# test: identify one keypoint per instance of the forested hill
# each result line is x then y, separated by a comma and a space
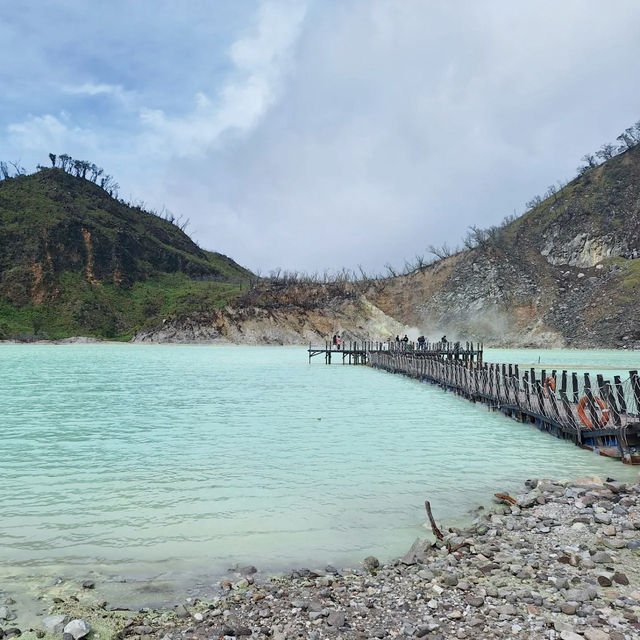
76, 261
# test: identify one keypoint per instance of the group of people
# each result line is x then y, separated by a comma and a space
402, 343
421, 342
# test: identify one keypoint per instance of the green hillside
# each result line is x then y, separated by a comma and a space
76, 261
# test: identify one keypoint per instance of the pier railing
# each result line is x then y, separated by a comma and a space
595, 412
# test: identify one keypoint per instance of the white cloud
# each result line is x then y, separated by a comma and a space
50, 133
260, 60
99, 89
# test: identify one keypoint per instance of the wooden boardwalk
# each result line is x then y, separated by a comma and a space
594, 412
359, 352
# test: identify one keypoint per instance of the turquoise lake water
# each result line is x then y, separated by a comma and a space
180, 461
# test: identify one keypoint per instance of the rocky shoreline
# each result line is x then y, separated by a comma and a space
560, 561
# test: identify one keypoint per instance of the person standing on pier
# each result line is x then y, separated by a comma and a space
335, 339
338, 342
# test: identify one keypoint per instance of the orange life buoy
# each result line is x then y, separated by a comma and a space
583, 416
550, 384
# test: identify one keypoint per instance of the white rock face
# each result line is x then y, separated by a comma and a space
78, 628
581, 251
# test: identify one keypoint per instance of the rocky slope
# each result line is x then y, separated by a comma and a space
566, 273
282, 314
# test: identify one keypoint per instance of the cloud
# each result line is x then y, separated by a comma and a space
48, 132
94, 89
259, 63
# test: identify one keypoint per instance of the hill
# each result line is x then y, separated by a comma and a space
76, 261
566, 273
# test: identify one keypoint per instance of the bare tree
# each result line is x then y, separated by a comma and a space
606, 151
441, 252
534, 202
65, 161
52, 157
4, 169
590, 159
19, 169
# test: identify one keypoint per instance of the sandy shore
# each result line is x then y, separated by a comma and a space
563, 562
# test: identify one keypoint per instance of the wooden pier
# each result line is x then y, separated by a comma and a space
592, 411
359, 352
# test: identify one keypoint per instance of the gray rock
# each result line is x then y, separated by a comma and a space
507, 610
474, 601
570, 635
54, 625
182, 612
78, 628
417, 553
336, 619
596, 634
601, 557
527, 500
371, 563
450, 579
615, 487
578, 595
88, 584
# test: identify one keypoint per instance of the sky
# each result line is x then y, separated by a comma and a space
312, 135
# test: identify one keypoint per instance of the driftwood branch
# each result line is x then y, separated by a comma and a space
458, 546
505, 497
434, 527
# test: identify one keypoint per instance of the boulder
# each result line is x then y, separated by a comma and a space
78, 628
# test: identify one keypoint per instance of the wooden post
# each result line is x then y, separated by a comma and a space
593, 414
620, 394
574, 384
609, 398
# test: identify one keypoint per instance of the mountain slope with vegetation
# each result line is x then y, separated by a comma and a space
75, 260
567, 273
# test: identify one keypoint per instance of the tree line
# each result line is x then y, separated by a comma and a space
95, 174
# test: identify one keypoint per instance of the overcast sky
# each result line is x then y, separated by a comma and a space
318, 134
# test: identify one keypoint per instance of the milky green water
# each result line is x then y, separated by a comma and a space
180, 461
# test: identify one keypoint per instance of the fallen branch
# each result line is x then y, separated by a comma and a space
434, 527
505, 497
458, 546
